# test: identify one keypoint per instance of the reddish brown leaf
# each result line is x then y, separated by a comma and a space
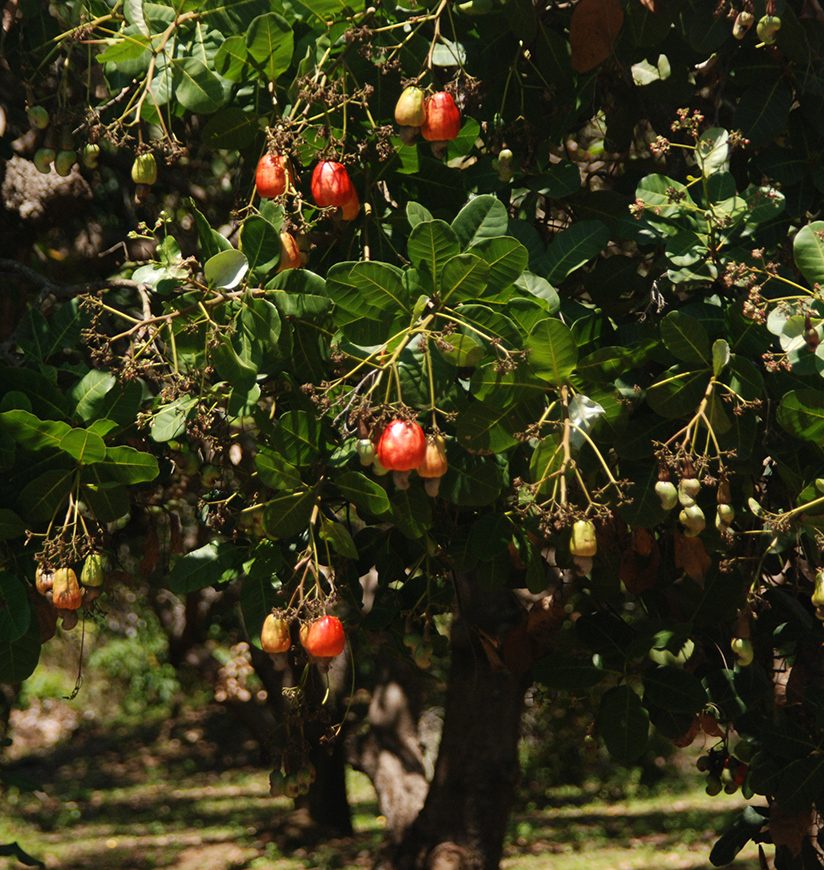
691, 557
593, 31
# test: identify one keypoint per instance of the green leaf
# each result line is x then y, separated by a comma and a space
371, 301
30, 432
338, 538
686, 339
226, 270
239, 372
40, 499
210, 240
567, 673
573, 247
15, 612
492, 427
740, 832
231, 57
539, 287
133, 13
260, 324
298, 437
464, 277
90, 391
199, 89
275, 471
84, 446
431, 243
230, 127
170, 421
808, 252
677, 393
412, 512
460, 350
260, 243
108, 502
472, 481
214, 563
801, 413
552, 352
481, 218
623, 723
673, 689
288, 515
416, 213
18, 658
127, 465
712, 151
365, 493
762, 111
506, 257
270, 42
720, 356
802, 783
47, 401
11, 526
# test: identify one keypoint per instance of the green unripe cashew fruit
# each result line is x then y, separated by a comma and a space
767, 29
744, 653
693, 518
504, 165
38, 117
583, 542
43, 159
817, 597
713, 785
688, 489
366, 451
725, 513
743, 23
667, 494
144, 169
64, 161
94, 569
90, 155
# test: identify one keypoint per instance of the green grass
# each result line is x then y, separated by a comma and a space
175, 798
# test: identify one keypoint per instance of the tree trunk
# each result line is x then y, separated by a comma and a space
464, 818
389, 753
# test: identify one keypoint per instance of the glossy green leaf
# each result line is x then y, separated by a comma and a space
213, 563
686, 339
366, 494
31, 433
127, 465
573, 247
808, 252
15, 613
623, 723
199, 89
270, 43
226, 270
801, 413
260, 244
552, 351
673, 689
11, 525
84, 446
18, 658
431, 243
464, 277
287, 515
506, 257
90, 391
483, 217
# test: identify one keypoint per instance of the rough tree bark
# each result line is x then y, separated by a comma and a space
463, 820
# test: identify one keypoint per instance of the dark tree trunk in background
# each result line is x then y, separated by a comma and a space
464, 818
389, 753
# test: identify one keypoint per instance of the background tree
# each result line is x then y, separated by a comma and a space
573, 305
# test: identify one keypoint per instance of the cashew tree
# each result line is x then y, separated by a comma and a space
483, 332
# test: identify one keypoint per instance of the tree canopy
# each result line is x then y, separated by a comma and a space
600, 297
